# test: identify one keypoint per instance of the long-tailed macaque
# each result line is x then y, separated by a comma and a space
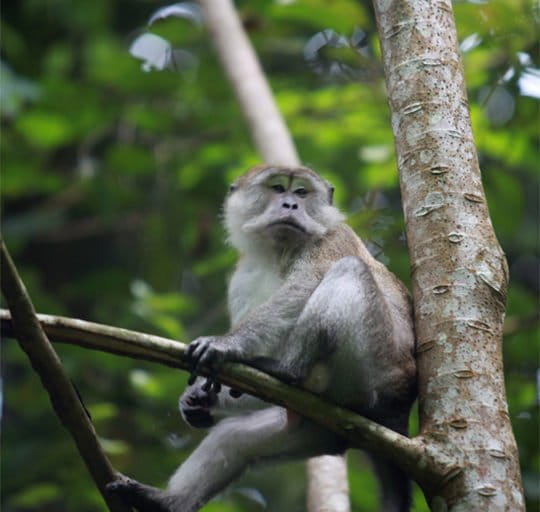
310, 305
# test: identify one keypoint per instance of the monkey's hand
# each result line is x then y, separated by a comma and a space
196, 403
211, 352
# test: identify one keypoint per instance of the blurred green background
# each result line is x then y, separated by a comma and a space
112, 183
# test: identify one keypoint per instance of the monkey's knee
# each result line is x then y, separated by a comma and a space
347, 282
349, 286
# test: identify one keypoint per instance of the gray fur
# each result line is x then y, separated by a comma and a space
309, 304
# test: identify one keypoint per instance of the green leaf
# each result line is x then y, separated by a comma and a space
36, 496
45, 130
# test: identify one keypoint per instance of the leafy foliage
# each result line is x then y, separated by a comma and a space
112, 183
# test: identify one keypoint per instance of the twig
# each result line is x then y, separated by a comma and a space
46, 363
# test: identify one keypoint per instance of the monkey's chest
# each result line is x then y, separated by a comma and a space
249, 288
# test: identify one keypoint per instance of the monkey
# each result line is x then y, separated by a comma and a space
311, 306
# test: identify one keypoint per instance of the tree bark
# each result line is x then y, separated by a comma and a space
327, 476
459, 271
328, 485
63, 395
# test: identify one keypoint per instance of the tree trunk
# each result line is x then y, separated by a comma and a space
328, 485
459, 271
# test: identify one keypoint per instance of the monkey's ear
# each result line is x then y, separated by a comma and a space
331, 194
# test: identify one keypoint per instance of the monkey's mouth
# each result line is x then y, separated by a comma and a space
288, 224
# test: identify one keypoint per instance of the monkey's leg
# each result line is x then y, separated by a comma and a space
337, 325
237, 442
348, 319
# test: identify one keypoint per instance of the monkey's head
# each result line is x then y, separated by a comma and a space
279, 207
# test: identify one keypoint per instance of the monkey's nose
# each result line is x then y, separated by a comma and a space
290, 205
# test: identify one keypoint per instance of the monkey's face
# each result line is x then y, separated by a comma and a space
279, 207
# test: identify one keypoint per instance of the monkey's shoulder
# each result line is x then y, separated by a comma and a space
343, 242
339, 243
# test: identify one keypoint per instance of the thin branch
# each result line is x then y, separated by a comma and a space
360, 431
64, 398
249, 83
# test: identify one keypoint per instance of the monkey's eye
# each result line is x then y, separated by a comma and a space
301, 192
278, 188
232, 188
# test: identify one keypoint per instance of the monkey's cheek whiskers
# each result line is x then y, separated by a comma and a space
252, 227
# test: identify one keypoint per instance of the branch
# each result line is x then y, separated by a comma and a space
244, 72
64, 397
361, 432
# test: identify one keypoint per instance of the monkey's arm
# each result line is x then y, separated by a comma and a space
261, 337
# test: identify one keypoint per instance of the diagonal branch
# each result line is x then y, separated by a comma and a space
360, 431
243, 69
64, 397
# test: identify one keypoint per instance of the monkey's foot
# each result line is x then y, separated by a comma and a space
143, 497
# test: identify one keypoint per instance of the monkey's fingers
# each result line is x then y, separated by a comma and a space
194, 356
207, 357
190, 348
193, 363
196, 349
209, 383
